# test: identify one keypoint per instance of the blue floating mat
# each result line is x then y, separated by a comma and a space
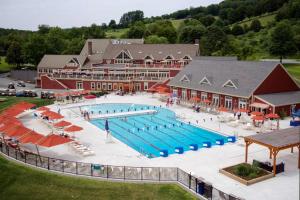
206, 144
219, 142
164, 153
231, 139
194, 147
179, 150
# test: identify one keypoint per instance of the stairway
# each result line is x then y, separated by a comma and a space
51, 83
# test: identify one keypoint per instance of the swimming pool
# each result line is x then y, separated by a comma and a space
153, 134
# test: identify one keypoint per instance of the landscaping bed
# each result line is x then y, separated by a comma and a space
246, 174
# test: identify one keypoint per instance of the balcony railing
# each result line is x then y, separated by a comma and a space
108, 78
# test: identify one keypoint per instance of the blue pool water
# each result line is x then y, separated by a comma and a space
150, 134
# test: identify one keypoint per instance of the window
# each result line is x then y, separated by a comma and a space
203, 96
194, 93
123, 57
99, 86
145, 85
187, 57
79, 85
103, 86
205, 81
93, 85
185, 79
242, 103
230, 84
148, 58
228, 102
169, 58
216, 100
109, 86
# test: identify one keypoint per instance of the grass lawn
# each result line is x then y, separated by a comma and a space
294, 70
4, 66
21, 182
117, 33
13, 100
264, 20
176, 23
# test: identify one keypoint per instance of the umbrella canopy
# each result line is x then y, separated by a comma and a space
9, 120
31, 137
222, 109
257, 113
272, 116
53, 140
43, 108
52, 115
258, 118
106, 125
16, 131
243, 110
73, 128
151, 90
206, 101
90, 96
195, 99
62, 124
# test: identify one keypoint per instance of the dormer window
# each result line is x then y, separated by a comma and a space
230, 84
148, 58
169, 58
185, 79
205, 81
187, 58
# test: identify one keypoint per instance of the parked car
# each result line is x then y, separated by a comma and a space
47, 95
21, 84
30, 93
11, 86
20, 93
3, 92
11, 92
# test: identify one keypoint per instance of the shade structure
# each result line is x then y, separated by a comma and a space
18, 108
106, 125
195, 99
222, 109
4, 126
31, 137
258, 118
17, 131
43, 108
90, 96
243, 110
52, 115
62, 124
73, 128
164, 93
257, 113
53, 140
9, 120
151, 90
272, 116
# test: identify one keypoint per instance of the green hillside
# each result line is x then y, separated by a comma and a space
294, 70
264, 20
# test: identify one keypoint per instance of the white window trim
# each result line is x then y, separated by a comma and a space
185, 77
205, 79
231, 86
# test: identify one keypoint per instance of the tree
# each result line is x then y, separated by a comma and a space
14, 54
136, 31
55, 41
131, 17
215, 40
189, 34
162, 28
282, 40
237, 30
207, 20
94, 32
154, 39
255, 25
43, 29
34, 49
112, 24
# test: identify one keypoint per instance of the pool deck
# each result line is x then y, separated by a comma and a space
204, 163
123, 114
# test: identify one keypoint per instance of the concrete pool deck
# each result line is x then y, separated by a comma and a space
203, 163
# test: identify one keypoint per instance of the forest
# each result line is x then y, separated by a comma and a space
248, 29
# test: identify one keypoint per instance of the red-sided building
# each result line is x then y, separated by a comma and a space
262, 86
104, 64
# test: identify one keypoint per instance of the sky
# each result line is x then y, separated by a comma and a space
28, 14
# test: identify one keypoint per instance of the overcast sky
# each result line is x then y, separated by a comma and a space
28, 14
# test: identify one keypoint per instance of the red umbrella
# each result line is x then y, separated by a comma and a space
73, 128
272, 116
257, 113
16, 131
222, 109
243, 110
90, 96
53, 140
62, 124
258, 118
206, 101
6, 127
52, 115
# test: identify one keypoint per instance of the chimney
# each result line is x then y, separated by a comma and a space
90, 48
197, 41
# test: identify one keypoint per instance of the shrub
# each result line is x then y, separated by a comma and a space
282, 114
245, 170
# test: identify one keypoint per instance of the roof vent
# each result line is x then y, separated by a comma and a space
179, 52
140, 52
159, 52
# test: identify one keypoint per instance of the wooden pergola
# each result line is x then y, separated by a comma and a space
276, 141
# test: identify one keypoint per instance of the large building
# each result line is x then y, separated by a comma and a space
261, 86
105, 64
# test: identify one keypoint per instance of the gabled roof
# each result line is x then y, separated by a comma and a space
59, 61
281, 99
246, 75
158, 51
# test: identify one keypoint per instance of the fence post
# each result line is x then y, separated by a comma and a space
8, 150
190, 180
124, 171
107, 171
16, 152
196, 185
63, 166
76, 167
92, 170
159, 174
25, 155
36, 160
48, 163
142, 173
177, 174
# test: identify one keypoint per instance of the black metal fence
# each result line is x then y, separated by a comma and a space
157, 174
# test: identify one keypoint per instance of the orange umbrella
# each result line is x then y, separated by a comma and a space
258, 118
206, 101
17, 131
53, 140
31, 137
73, 128
222, 109
272, 116
243, 110
196, 99
62, 124
43, 108
257, 113
4, 126
52, 115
